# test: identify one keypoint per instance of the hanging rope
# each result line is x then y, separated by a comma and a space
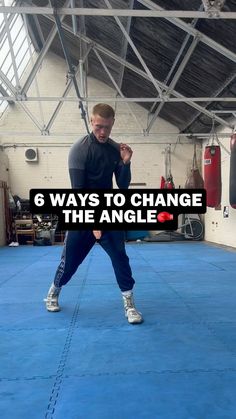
71, 72
168, 161
169, 183
213, 138
195, 165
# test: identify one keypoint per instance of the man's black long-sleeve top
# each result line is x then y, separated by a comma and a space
92, 164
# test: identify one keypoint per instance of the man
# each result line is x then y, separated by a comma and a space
92, 162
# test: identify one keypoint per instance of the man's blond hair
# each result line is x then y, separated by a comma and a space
103, 110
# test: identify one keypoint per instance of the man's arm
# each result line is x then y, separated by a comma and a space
123, 175
77, 178
122, 172
76, 162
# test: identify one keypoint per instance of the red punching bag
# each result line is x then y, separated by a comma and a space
163, 181
169, 183
232, 174
212, 175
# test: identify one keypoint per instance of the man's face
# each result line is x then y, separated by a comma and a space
102, 127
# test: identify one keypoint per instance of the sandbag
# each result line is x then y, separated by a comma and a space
163, 181
212, 175
194, 180
169, 183
232, 174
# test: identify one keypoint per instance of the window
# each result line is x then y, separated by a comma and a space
20, 46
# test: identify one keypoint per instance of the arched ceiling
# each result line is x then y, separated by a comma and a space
180, 65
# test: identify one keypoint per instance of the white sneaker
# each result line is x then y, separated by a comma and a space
133, 316
52, 299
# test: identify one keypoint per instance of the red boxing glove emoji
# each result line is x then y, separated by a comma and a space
164, 216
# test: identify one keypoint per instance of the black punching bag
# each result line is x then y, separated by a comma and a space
232, 174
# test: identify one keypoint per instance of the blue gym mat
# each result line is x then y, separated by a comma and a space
87, 362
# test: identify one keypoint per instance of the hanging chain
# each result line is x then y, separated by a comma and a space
195, 165
214, 138
168, 162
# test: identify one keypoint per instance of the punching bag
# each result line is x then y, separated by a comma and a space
194, 180
163, 181
232, 174
169, 183
212, 175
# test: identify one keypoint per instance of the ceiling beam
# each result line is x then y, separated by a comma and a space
83, 52
27, 27
7, 83
229, 80
125, 44
33, 32
174, 81
159, 13
177, 58
135, 50
233, 111
70, 68
40, 32
174, 92
31, 116
60, 103
10, 43
73, 135
64, 95
3, 31
192, 31
117, 87
166, 99
41, 56
3, 92
74, 20
143, 74
39, 60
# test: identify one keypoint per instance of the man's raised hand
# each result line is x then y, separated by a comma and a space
125, 153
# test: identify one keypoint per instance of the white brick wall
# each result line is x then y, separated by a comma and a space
4, 166
51, 169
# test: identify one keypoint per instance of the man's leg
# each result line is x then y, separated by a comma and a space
113, 243
76, 247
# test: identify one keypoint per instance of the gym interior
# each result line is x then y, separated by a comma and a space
168, 70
